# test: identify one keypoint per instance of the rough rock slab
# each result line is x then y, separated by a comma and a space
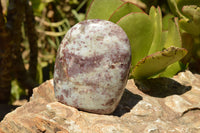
153, 106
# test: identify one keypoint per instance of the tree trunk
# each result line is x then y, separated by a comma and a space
5, 60
12, 65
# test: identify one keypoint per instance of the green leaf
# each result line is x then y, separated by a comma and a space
193, 13
171, 70
165, 21
177, 5
39, 5
52, 43
102, 9
189, 11
139, 29
173, 37
39, 75
164, 37
190, 27
156, 18
88, 4
157, 62
196, 16
80, 17
73, 2
181, 3
16, 91
174, 8
188, 43
123, 10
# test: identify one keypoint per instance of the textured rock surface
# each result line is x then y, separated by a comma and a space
163, 106
92, 66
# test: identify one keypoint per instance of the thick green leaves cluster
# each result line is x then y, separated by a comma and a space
155, 42
189, 13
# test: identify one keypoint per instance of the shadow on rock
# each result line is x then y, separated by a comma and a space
161, 87
5, 108
127, 102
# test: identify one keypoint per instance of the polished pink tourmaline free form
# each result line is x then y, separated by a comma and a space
92, 66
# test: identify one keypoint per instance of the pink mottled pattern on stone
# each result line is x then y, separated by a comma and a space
92, 66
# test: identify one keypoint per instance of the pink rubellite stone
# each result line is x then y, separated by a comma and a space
92, 66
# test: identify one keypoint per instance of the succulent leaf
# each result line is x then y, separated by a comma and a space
157, 62
165, 21
156, 18
177, 5
173, 36
181, 3
189, 13
140, 29
146, 36
190, 27
102, 9
171, 70
123, 10
196, 17
174, 8
193, 13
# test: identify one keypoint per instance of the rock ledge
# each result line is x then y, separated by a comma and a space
159, 105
